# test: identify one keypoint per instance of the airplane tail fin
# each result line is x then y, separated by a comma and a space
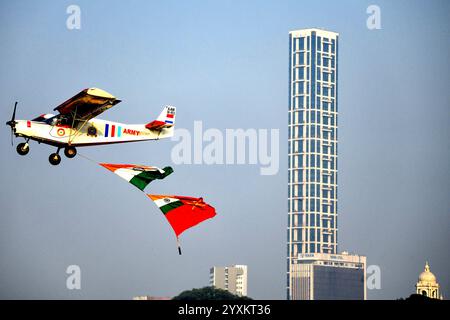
165, 122
167, 115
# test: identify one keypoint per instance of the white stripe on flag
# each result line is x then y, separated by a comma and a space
127, 174
164, 201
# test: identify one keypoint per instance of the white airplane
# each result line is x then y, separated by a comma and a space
76, 125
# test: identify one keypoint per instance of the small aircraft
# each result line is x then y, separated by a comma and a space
76, 125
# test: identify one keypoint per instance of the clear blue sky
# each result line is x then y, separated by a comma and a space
225, 63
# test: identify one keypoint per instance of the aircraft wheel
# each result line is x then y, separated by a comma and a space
54, 159
23, 148
70, 152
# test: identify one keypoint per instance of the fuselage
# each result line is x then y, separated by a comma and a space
92, 132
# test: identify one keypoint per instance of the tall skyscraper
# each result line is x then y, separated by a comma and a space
313, 148
232, 279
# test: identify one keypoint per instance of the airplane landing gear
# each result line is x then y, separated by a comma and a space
54, 158
23, 148
70, 152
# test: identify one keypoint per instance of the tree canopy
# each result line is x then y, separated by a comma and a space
208, 293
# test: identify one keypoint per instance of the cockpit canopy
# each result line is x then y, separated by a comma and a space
51, 119
43, 117
59, 120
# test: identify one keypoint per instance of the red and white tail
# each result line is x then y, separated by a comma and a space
166, 120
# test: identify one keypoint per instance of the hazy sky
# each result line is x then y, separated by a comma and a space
225, 63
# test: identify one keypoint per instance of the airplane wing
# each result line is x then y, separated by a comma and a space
87, 104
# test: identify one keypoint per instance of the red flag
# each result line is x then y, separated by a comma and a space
183, 212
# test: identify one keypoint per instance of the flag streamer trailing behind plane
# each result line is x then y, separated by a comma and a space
137, 175
181, 212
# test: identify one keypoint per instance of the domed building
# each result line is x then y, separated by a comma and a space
427, 284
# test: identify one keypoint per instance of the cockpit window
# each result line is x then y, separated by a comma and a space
43, 118
59, 120
63, 120
52, 121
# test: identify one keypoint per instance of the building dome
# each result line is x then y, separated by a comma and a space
427, 275
427, 284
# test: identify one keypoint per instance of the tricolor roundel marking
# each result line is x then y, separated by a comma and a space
60, 132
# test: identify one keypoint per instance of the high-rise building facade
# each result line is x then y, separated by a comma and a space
232, 279
324, 276
313, 145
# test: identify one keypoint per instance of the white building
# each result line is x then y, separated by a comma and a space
323, 276
427, 284
232, 278
151, 298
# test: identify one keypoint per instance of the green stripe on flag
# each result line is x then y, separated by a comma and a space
167, 171
170, 206
142, 179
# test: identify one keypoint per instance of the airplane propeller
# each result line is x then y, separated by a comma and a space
12, 123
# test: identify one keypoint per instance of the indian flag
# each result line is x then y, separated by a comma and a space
183, 212
137, 175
